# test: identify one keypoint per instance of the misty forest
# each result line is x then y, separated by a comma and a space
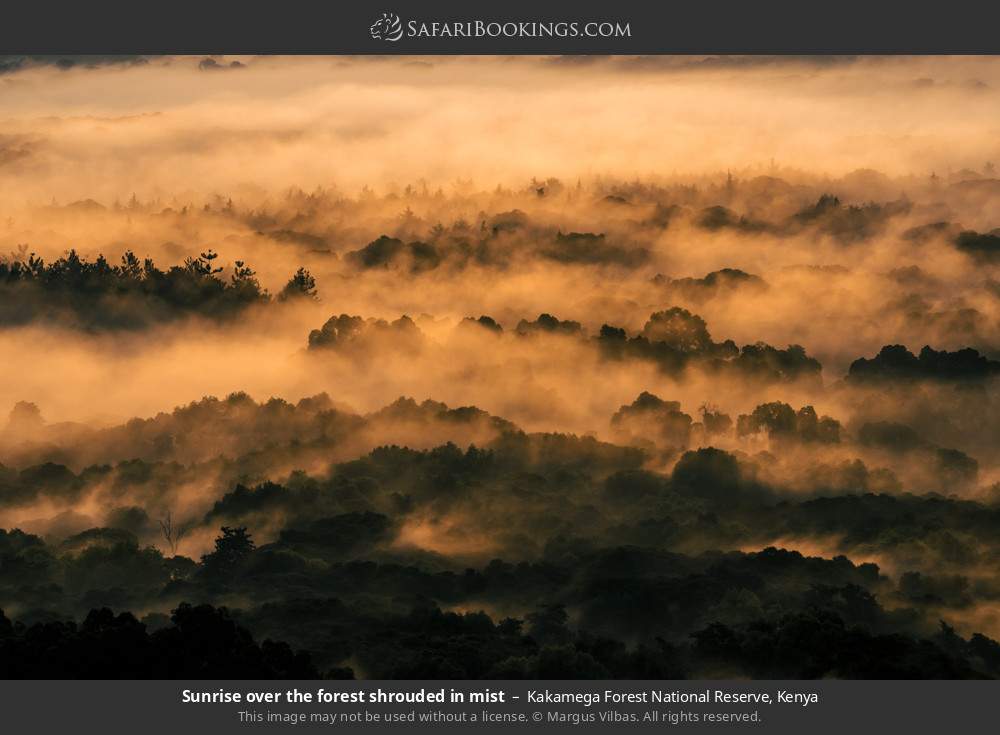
487, 368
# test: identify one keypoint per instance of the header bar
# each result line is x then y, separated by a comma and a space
510, 27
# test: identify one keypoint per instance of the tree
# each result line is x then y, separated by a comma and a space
173, 534
203, 265
231, 550
301, 285
679, 329
25, 418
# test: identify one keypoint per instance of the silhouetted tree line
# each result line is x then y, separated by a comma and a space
673, 339
628, 551
202, 642
501, 240
428, 643
723, 282
596, 565
848, 224
96, 294
896, 363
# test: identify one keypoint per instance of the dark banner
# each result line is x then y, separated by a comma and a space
453, 27
774, 707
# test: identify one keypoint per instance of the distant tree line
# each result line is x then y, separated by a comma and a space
132, 294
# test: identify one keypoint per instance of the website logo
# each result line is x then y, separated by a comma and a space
390, 28
387, 28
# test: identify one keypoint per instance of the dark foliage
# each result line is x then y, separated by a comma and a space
896, 363
131, 295
203, 642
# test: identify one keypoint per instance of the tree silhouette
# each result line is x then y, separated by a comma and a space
173, 534
231, 549
301, 285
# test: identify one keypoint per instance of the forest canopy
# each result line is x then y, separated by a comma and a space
442, 368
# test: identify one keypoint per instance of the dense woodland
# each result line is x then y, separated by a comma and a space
591, 565
488, 368
791, 507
